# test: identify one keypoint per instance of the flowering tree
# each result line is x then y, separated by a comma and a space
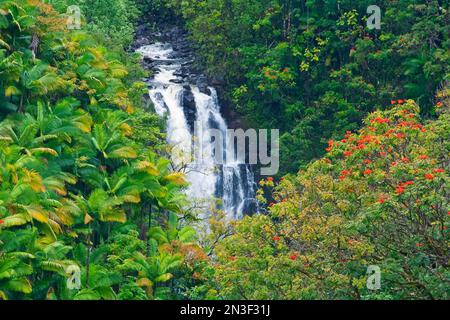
379, 197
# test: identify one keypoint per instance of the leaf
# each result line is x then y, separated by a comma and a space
144, 282
87, 294
177, 178
164, 277
158, 234
87, 219
11, 90
147, 166
54, 266
187, 234
131, 198
14, 221
123, 152
18, 285
4, 44
173, 221
116, 215
37, 213
44, 150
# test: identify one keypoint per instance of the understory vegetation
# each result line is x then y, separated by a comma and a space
91, 208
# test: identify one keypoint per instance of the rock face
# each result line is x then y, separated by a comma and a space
141, 37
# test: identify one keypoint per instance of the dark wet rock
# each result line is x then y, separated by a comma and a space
177, 81
188, 98
202, 84
180, 74
159, 97
141, 31
190, 110
141, 42
217, 81
147, 102
160, 100
148, 60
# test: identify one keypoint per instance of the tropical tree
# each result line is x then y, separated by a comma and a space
378, 198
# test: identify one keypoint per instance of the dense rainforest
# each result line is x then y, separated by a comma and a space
92, 208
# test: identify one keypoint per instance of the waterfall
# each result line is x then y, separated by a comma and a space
186, 106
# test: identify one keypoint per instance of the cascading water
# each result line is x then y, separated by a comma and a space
232, 181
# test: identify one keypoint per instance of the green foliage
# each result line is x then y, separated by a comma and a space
312, 68
78, 188
85, 184
379, 197
111, 22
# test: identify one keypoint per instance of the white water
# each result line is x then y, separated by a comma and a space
233, 181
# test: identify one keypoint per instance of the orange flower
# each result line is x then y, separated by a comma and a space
380, 120
400, 190
269, 179
429, 176
347, 153
400, 135
423, 157
367, 172
439, 170
367, 161
276, 238
393, 102
2, 221
439, 104
382, 200
400, 101
293, 257
419, 245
